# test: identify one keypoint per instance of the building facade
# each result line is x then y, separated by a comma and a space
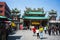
35, 19
5, 15
53, 16
16, 17
4, 10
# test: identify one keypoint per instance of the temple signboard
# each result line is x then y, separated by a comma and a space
35, 23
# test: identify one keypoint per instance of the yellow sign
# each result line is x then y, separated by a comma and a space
35, 23
13, 24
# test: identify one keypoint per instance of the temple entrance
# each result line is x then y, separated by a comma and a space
26, 23
44, 23
35, 23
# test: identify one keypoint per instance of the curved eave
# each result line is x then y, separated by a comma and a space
41, 13
40, 18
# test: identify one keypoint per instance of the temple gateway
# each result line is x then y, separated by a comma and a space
35, 19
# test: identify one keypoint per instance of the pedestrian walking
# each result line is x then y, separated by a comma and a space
45, 29
52, 30
55, 30
37, 31
59, 30
41, 31
21, 27
49, 30
34, 30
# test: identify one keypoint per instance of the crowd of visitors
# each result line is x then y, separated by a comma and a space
38, 31
50, 30
54, 30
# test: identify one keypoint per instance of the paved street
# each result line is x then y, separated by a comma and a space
28, 35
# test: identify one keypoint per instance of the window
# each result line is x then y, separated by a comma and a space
1, 11
1, 6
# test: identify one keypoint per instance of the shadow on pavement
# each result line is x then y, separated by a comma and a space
44, 38
14, 37
34, 35
12, 33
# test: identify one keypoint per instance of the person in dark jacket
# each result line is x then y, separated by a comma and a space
49, 30
59, 30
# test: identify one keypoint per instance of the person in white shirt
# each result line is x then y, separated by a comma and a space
37, 31
45, 29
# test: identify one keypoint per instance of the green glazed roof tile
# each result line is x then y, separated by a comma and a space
3, 17
26, 17
35, 13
